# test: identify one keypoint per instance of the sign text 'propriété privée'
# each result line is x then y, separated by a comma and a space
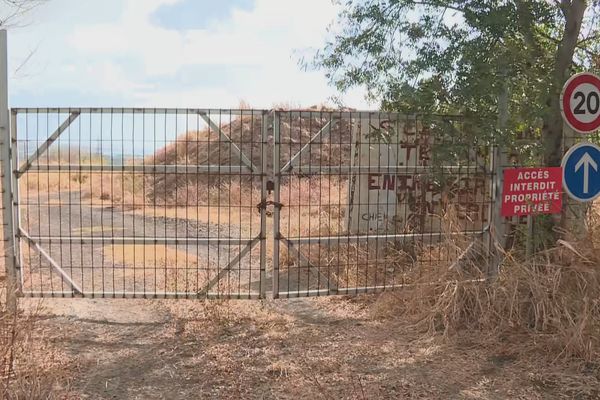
532, 191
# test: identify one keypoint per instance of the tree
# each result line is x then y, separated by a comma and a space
461, 57
11, 11
442, 56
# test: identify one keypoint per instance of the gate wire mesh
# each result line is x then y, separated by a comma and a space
140, 202
175, 202
374, 201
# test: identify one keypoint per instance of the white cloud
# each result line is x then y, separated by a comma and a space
124, 54
111, 77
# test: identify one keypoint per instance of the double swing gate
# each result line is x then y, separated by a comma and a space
201, 203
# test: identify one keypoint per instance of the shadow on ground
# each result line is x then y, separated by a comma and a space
287, 349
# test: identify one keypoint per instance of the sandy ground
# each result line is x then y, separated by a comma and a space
332, 348
142, 268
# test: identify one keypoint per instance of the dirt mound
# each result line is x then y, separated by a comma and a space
211, 147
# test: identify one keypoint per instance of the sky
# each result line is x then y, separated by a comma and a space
171, 53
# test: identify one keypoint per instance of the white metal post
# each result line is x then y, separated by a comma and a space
263, 209
7, 181
497, 223
276, 199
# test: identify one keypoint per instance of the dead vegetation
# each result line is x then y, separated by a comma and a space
97, 188
208, 147
29, 367
546, 306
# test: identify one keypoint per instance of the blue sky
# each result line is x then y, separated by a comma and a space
171, 53
199, 14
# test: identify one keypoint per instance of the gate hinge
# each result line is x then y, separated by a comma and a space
265, 203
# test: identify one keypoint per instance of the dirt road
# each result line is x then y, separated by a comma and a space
105, 268
289, 349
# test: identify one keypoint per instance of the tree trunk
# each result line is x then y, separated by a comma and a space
552, 132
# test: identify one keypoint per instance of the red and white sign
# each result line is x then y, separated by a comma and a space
580, 102
529, 191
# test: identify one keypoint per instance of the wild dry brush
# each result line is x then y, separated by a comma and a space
29, 369
550, 301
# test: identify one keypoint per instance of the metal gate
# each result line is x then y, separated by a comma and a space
154, 203
179, 203
371, 201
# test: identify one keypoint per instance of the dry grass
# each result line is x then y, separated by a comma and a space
160, 267
150, 254
205, 147
119, 189
29, 368
334, 348
548, 305
108, 189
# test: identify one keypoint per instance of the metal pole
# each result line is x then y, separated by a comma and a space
529, 238
573, 216
7, 200
263, 210
16, 203
276, 213
498, 227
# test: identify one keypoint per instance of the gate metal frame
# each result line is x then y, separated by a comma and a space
483, 238
14, 231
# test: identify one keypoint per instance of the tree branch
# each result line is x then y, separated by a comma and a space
562, 6
438, 5
587, 39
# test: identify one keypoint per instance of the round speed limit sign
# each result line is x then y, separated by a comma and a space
580, 102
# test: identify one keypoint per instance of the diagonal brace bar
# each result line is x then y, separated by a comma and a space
222, 272
63, 127
325, 131
224, 137
464, 256
290, 245
53, 263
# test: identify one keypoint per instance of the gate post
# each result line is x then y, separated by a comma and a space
497, 226
276, 199
7, 181
263, 210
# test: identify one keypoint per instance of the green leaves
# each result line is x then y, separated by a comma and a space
441, 56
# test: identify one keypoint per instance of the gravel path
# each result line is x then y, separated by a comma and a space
98, 267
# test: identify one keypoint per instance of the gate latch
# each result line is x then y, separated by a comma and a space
270, 186
265, 203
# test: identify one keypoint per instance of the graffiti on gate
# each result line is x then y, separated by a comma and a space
395, 194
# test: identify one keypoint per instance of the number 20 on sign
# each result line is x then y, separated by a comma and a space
580, 102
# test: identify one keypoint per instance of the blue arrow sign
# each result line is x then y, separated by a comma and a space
581, 171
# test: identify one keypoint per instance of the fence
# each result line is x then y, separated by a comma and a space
201, 203
371, 201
